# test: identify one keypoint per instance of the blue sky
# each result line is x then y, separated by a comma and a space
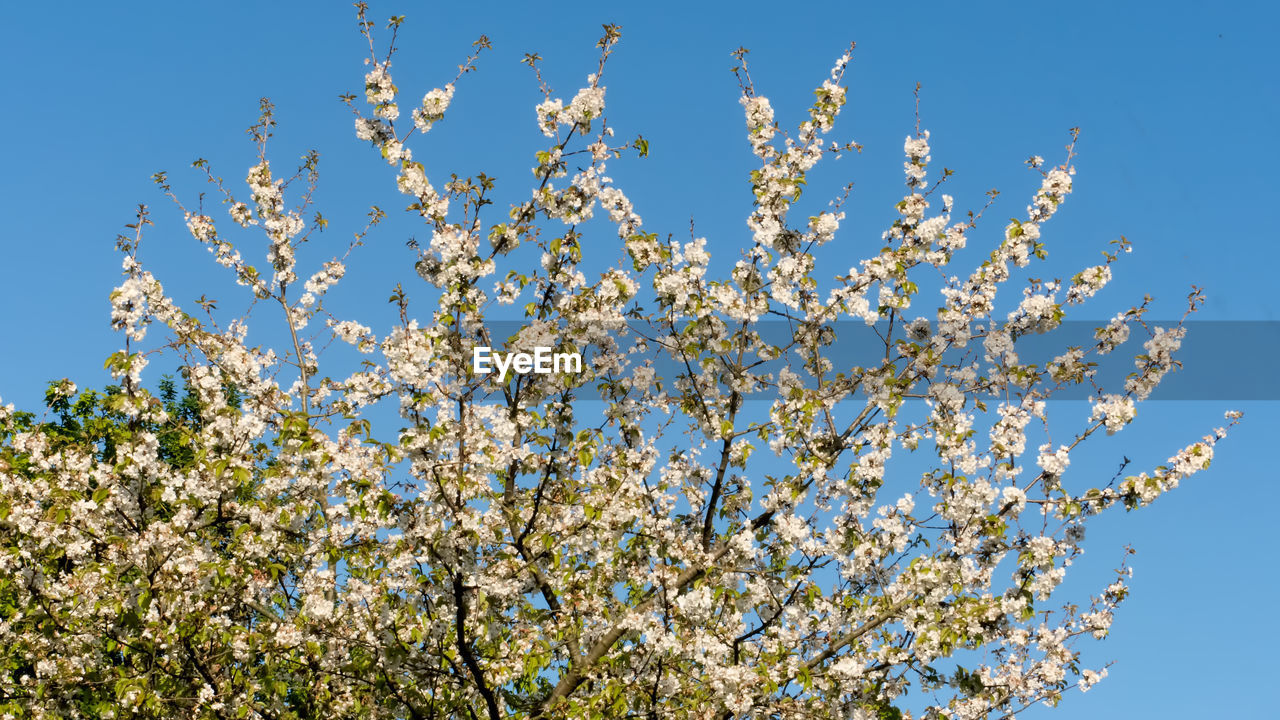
1174, 101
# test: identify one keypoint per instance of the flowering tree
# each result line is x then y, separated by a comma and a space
698, 524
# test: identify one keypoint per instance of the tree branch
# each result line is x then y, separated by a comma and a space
468, 657
852, 636
577, 672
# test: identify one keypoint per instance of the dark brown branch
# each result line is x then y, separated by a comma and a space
708, 525
464, 648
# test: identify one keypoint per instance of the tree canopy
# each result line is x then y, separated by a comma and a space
707, 521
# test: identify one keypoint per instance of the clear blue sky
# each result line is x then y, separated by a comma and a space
1174, 101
